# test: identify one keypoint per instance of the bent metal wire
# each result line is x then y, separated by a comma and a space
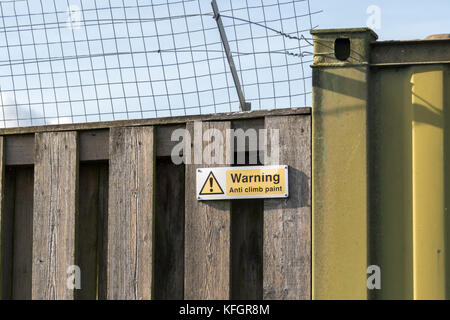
78, 61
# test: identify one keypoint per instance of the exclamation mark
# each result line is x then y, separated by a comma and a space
210, 184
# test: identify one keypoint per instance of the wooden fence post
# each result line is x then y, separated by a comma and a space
287, 223
54, 214
130, 213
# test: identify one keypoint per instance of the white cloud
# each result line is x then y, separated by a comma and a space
13, 115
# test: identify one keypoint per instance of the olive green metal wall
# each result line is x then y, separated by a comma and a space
380, 167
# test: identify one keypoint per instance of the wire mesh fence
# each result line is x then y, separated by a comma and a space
70, 61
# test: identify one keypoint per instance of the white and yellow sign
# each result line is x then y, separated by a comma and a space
242, 182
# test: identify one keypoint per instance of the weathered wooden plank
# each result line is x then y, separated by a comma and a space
164, 145
86, 232
54, 213
102, 231
158, 121
130, 214
23, 234
245, 124
169, 230
287, 223
7, 181
91, 230
94, 145
19, 149
247, 248
207, 230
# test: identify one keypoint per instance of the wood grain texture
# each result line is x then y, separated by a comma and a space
207, 233
94, 145
19, 149
169, 230
23, 234
247, 248
164, 144
102, 230
158, 121
130, 213
7, 187
287, 223
91, 209
54, 213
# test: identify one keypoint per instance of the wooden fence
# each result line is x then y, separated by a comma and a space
107, 197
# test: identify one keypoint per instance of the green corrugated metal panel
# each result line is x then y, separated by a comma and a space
408, 226
390, 176
404, 182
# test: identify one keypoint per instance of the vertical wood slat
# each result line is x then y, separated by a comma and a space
130, 213
17, 216
102, 231
86, 232
23, 234
6, 210
247, 244
7, 233
169, 230
287, 223
92, 209
207, 231
54, 213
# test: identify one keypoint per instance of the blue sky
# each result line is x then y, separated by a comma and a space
400, 19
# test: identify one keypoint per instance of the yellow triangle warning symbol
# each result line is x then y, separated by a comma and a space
211, 186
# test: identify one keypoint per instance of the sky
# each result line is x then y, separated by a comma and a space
83, 60
64, 61
400, 19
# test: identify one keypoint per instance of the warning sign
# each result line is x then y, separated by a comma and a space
242, 182
211, 186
